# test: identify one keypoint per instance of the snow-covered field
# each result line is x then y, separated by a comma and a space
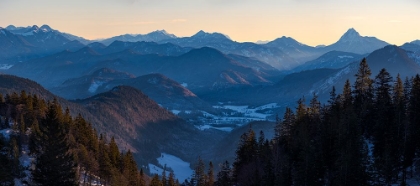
181, 168
233, 115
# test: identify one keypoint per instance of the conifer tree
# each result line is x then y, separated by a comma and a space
55, 164
385, 134
171, 179
363, 94
224, 177
210, 175
156, 181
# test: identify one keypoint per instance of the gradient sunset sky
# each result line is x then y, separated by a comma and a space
312, 22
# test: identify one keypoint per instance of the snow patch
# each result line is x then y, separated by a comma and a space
341, 57
94, 86
181, 168
5, 66
206, 127
184, 85
176, 112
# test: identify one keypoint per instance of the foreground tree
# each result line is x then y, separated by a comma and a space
55, 164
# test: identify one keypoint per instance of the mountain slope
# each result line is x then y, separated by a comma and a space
10, 84
144, 126
333, 59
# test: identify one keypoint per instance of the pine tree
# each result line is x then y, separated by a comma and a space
155, 181
55, 164
210, 175
199, 176
171, 179
164, 181
245, 165
414, 121
352, 151
385, 134
363, 94
224, 177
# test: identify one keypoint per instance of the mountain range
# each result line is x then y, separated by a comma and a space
283, 53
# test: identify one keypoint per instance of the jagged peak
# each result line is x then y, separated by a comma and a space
351, 34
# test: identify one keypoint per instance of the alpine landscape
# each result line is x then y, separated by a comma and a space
84, 101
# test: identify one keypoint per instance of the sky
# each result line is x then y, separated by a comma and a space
312, 22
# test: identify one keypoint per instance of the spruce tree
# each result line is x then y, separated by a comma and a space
55, 164
210, 175
224, 177
363, 94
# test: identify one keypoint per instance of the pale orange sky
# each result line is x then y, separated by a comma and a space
312, 22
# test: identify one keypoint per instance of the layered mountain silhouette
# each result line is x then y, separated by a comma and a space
204, 68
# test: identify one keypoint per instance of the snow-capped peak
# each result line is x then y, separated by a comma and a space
46, 28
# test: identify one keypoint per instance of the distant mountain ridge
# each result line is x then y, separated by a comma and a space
29, 30
351, 41
155, 36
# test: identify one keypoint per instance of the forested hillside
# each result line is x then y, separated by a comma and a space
42, 144
368, 135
